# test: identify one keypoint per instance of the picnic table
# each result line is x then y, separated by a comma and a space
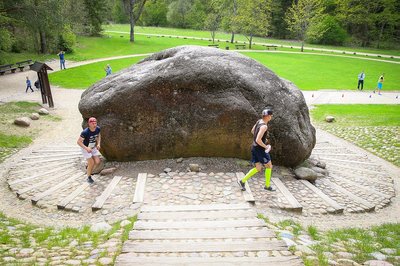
271, 46
240, 46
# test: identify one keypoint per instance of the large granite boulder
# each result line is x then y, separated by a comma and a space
197, 101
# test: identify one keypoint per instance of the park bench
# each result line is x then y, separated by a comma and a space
214, 45
271, 46
5, 68
21, 65
240, 46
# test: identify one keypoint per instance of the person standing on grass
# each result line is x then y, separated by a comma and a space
28, 85
62, 59
108, 70
361, 78
380, 84
89, 141
260, 151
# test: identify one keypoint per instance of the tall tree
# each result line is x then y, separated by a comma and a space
228, 18
178, 11
96, 10
43, 19
253, 18
155, 13
278, 25
6, 38
301, 15
387, 18
197, 15
358, 18
215, 12
135, 9
119, 14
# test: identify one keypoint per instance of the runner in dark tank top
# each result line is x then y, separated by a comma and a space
260, 151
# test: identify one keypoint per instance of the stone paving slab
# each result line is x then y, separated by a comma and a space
214, 241
233, 261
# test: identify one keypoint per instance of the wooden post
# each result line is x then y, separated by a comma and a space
45, 89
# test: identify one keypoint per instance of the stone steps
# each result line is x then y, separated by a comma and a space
52, 178
125, 259
182, 236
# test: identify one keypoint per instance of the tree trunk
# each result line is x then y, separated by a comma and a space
132, 20
250, 41
302, 46
43, 43
213, 35
234, 15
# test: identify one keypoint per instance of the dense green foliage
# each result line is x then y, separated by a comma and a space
301, 15
327, 31
96, 11
45, 26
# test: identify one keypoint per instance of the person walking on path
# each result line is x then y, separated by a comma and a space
89, 141
380, 84
108, 70
260, 151
28, 85
361, 78
62, 59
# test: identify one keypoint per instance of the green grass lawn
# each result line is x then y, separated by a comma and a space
238, 37
12, 58
84, 76
115, 45
375, 128
359, 114
313, 72
307, 71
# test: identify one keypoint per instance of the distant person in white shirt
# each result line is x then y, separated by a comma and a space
361, 78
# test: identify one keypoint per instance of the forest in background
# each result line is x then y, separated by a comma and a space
45, 26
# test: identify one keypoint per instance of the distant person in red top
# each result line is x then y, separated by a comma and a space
89, 141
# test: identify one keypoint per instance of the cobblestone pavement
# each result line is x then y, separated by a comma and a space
356, 182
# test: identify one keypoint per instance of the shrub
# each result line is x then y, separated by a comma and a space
67, 39
6, 40
326, 31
